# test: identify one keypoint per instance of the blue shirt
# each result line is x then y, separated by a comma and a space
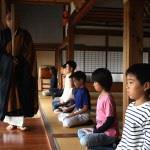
53, 82
82, 97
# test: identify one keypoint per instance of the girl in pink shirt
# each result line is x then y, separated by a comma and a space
106, 131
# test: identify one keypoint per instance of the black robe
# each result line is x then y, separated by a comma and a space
5, 76
6, 63
5, 37
20, 76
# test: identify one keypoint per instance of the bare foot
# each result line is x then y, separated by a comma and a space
22, 128
11, 127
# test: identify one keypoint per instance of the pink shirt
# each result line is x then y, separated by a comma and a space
106, 107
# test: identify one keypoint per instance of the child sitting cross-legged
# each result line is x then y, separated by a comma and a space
80, 114
67, 97
106, 131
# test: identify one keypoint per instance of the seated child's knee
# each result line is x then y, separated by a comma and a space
67, 123
84, 141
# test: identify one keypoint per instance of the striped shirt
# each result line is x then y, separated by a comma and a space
136, 131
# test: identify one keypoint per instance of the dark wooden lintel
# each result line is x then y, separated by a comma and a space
113, 32
86, 31
46, 46
41, 1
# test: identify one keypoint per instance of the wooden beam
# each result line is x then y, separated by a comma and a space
86, 31
82, 12
64, 44
46, 46
81, 47
79, 4
76, 17
112, 32
132, 39
100, 24
42, 1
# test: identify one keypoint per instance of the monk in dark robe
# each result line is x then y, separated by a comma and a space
6, 65
23, 94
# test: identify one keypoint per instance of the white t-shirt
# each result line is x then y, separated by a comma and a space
67, 93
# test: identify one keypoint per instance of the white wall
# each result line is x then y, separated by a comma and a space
147, 42
44, 22
90, 40
115, 41
44, 58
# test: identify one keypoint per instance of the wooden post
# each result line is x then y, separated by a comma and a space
75, 20
70, 48
59, 64
132, 39
107, 46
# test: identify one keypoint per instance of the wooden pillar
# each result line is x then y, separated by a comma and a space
58, 63
107, 46
3, 10
75, 19
132, 38
71, 37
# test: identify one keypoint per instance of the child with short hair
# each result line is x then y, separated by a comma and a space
54, 91
106, 129
136, 131
80, 115
68, 87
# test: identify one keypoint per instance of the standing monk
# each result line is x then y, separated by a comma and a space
22, 96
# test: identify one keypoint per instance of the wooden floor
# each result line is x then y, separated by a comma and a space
45, 131
60, 138
66, 138
34, 138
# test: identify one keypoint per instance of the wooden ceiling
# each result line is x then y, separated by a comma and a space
42, 1
110, 16
98, 16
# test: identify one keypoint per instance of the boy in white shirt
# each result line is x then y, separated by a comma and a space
67, 95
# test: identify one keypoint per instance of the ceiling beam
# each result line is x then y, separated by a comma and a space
42, 1
113, 32
86, 31
82, 12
